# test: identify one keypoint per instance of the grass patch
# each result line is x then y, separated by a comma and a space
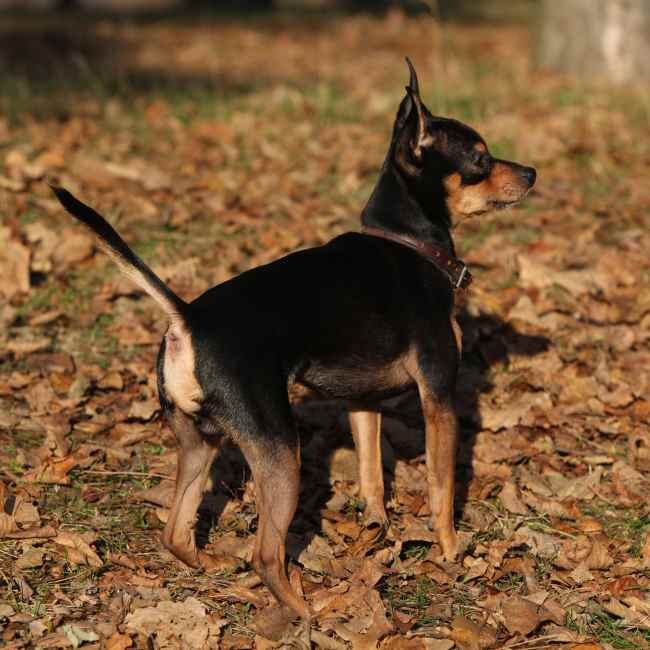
606, 628
412, 598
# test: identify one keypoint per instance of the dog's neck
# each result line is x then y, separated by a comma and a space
394, 207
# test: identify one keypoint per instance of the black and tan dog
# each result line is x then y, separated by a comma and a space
364, 317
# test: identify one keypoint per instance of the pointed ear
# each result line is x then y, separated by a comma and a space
413, 81
411, 127
422, 138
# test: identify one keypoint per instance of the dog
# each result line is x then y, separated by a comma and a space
362, 318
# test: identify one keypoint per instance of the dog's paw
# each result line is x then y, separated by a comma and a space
449, 544
374, 515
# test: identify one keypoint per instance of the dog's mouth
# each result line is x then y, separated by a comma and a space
502, 204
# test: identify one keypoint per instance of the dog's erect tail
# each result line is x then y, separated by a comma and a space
129, 263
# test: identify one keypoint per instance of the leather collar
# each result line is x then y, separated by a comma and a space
455, 269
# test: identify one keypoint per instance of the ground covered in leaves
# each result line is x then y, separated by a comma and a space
220, 145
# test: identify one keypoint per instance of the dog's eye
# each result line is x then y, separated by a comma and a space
479, 158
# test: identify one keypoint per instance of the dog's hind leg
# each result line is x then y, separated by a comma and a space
366, 431
195, 456
275, 465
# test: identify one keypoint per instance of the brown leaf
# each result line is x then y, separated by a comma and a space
84, 553
111, 380
536, 275
53, 471
7, 524
173, 622
14, 265
581, 574
630, 615
29, 559
357, 641
599, 557
144, 410
119, 642
244, 595
26, 513
590, 526
126, 434
551, 506
523, 616
43, 532
161, 494
73, 247
476, 568
326, 642
121, 560
518, 410
510, 499
21, 347
272, 622
470, 636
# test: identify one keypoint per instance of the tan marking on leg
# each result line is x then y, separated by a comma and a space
276, 474
441, 428
195, 457
179, 371
458, 333
366, 431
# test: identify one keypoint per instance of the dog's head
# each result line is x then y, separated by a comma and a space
444, 160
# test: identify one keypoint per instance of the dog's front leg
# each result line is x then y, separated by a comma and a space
366, 431
441, 427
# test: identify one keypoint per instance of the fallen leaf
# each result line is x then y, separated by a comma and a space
470, 636
53, 471
144, 410
29, 559
84, 552
73, 248
173, 622
523, 616
119, 642
510, 499
78, 635
14, 265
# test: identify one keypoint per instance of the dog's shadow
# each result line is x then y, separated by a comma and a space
328, 452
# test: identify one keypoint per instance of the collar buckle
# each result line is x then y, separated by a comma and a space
462, 276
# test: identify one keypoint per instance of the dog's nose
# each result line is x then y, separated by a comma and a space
530, 175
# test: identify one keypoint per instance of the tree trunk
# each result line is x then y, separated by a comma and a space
608, 39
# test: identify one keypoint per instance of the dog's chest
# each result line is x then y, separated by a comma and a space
355, 379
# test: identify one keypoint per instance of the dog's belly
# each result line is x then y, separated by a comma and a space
355, 381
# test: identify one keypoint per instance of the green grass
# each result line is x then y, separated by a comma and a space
415, 550
511, 582
606, 628
524, 235
476, 232
628, 524
506, 149
412, 600
38, 300
331, 104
